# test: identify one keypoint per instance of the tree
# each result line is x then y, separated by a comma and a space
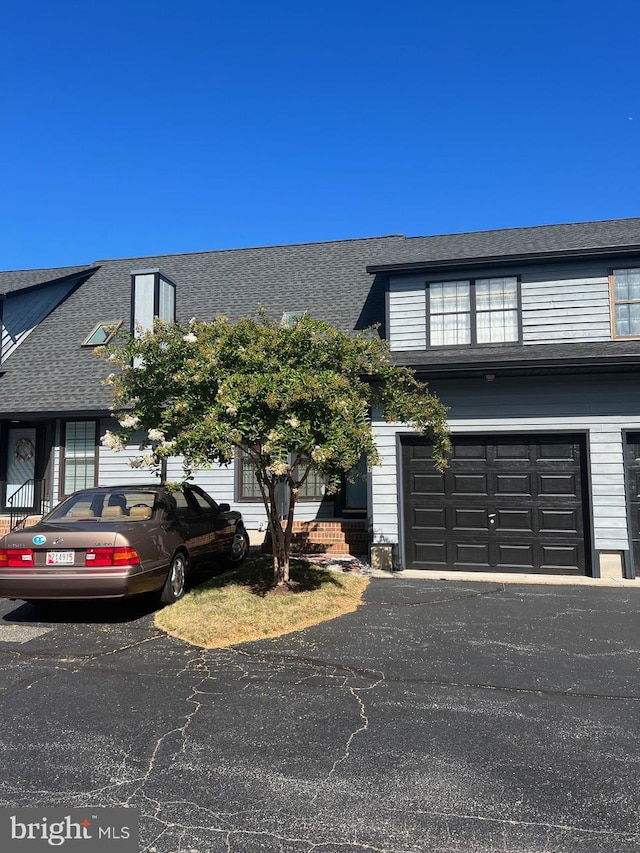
291, 396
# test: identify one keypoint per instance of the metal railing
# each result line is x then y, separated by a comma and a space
32, 498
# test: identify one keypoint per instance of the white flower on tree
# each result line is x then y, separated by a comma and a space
146, 461
112, 441
279, 468
129, 422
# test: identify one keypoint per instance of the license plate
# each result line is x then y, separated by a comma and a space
57, 558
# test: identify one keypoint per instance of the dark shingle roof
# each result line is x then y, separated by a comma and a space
515, 358
51, 373
20, 279
542, 239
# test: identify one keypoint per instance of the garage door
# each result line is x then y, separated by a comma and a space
505, 503
632, 461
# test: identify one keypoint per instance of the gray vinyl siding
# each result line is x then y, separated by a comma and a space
407, 314
114, 468
603, 407
565, 304
559, 303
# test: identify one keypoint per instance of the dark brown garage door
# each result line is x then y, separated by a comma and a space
505, 503
633, 495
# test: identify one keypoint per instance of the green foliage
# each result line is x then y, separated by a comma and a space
303, 388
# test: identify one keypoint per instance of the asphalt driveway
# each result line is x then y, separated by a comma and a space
441, 716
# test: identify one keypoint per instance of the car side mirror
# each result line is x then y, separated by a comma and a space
224, 507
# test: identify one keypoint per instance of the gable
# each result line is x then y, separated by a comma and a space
24, 309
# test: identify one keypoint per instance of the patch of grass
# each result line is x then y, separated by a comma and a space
239, 606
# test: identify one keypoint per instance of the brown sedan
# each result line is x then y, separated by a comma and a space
117, 541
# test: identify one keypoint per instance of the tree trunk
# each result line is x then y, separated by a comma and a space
278, 541
280, 557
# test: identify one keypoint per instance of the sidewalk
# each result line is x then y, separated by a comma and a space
358, 564
508, 577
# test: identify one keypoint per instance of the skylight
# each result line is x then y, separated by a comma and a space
289, 318
101, 333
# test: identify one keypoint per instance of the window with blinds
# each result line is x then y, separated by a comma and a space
313, 488
475, 311
79, 456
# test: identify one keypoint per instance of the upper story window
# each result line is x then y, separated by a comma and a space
473, 311
625, 303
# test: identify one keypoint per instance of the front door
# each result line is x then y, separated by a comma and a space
20, 466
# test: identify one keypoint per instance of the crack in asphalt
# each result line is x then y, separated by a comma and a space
280, 837
20, 686
505, 688
496, 590
202, 664
282, 659
364, 725
370, 674
562, 827
43, 654
129, 784
202, 667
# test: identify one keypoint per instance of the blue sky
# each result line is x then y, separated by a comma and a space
132, 128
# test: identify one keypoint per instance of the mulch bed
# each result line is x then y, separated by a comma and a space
346, 563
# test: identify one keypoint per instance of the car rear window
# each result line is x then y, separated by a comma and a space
116, 505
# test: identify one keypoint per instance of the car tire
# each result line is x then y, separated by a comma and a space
239, 550
176, 583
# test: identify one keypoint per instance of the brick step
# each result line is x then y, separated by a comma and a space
5, 523
340, 536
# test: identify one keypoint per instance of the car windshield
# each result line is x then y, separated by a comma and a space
118, 505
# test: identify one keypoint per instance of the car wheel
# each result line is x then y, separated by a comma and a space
176, 582
239, 547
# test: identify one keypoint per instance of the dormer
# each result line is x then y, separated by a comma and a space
516, 301
153, 294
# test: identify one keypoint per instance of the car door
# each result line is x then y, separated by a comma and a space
189, 523
215, 524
